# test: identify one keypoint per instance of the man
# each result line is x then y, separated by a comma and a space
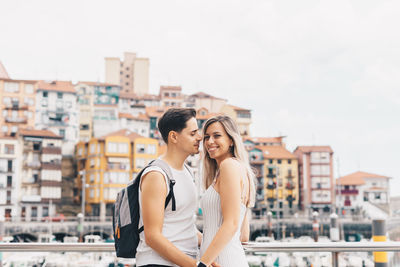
170, 238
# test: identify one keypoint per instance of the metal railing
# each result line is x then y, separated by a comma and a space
335, 247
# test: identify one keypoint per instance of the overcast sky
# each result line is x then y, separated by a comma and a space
319, 72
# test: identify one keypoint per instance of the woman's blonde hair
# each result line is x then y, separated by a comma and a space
238, 151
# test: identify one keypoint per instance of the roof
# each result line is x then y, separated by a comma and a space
204, 95
357, 178
308, 149
131, 117
172, 88
155, 111
126, 95
237, 108
276, 152
40, 133
277, 139
124, 132
3, 72
98, 83
58, 86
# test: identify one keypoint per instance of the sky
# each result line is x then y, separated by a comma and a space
318, 72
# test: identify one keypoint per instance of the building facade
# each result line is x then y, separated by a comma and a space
106, 164
57, 111
10, 175
41, 173
316, 178
171, 96
17, 104
132, 74
242, 117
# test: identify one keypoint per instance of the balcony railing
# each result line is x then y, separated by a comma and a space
16, 120
348, 191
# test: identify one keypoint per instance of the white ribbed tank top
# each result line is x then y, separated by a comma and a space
233, 254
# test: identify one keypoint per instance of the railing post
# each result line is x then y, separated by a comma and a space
315, 226
334, 236
379, 235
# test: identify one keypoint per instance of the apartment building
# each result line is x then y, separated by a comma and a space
202, 100
17, 103
139, 124
316, 178
94, 100
277, 177
10, 153
106, 164
154, 113
359, 188
41, 173
171, 96
242, 117
132, 74
57, 111
129, 102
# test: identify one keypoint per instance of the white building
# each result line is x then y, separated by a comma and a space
41, 173
57, 111
10, 174
359, 188
139, 124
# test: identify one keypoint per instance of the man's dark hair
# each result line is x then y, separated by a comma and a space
174, 119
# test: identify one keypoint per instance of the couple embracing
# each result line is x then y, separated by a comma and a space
170, 237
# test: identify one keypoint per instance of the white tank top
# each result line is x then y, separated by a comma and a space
179, 226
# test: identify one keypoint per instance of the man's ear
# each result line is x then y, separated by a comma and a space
173, 137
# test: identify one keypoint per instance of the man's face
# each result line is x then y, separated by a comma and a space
189, 138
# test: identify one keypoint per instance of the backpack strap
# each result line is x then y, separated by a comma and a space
165, 167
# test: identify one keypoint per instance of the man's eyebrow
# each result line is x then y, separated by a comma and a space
195, 130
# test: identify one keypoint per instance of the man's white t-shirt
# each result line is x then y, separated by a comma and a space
179, 226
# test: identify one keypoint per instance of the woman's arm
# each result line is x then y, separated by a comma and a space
229, 186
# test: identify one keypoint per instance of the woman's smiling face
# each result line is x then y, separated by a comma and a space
217, 142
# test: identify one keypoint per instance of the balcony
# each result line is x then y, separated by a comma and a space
348, 191
51, 150
33, 164
51, 166
16, 120
347, 203
271, 185
16, 106
290, 186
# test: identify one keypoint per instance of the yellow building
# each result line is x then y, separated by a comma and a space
17, 103
106, 164
277, 176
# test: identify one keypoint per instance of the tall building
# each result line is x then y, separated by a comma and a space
41, 173
132, 74
106, 164
316, 178
10, 175
97, 103
202, 100
359, 190
17, 103
57, 111
277, 176
171, 96
242, 117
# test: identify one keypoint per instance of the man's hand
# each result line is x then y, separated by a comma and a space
214, 264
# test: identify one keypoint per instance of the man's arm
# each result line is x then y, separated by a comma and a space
153, 197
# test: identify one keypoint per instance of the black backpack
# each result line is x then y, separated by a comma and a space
126, 212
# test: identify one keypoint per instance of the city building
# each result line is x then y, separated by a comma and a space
277, 176
202, 100
139, 124
358, 190
17, 102
10, 155
132, 74
154, 113
242, 117
129, 102
106, 164
171, 96
57, 111
316, 178
41, 173
95, 100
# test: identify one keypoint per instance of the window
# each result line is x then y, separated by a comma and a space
9, 181
10, 165
45, 94
126, 83
36, 178
11, 87
9, 149
140, 163
289, 161
45, 211
92, 162
111, 147
140, 148
29, 88
127, 76
84, 127
34, 213
92, 177
4, 128
7, 101
92, 148
44, 102
62, 132
271, 161
123, 148
5, 113
8, 197
91, 194
151, 149
59, 95
279, 161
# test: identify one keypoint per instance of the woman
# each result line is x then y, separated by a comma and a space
228, 180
